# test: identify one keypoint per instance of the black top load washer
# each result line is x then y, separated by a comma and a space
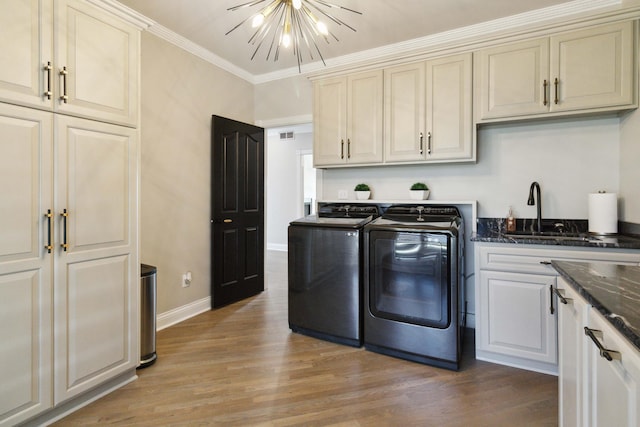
414, 293
325, 272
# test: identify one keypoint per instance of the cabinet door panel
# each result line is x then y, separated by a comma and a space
404, 112
613, 386
511, 79
330, 127
96, 318
364, 118
96, 284
593, 67
101, 55
25, 266
516, 319
571, 319
26, 46
449, 122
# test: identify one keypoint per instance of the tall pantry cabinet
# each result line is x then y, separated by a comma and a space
69, 268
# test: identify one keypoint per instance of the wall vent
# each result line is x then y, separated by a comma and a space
286, 135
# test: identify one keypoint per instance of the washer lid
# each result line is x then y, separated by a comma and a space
315, 221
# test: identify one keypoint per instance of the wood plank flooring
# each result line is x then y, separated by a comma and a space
242, 366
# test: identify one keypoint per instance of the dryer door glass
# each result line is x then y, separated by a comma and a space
409, 279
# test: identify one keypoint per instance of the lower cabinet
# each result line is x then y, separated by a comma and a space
519, 322
595, 388
516, 312
571, 318
69, 267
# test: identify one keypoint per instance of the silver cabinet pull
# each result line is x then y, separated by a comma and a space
348, 148
594, 334
47, 69
429, 143
561, 297
63, 74
342, 148
421, 142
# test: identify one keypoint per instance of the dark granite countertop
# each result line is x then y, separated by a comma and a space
612, 289
557, 232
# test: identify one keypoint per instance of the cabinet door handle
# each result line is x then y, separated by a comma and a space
545, 262
551, 308
64, 245
348, 148
544, 92
428, 142
594, 334
561, 297
342, 148
48, 246
47, 70
421, 142
63, 74
555, 84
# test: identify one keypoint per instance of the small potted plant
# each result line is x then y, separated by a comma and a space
419, 191
362, 191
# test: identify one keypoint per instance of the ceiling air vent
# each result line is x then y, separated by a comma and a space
286, 136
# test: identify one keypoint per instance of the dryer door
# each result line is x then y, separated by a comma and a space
409, 277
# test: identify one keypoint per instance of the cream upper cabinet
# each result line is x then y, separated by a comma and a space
585, 70
348, 120
449, 109
91, 71
26, 43
404, 112
511, 79
428, 111
26, 266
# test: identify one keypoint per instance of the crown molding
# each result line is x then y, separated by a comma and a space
478, 32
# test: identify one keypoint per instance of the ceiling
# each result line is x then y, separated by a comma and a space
382, 23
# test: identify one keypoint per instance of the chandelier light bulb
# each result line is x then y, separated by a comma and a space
286, 40
322, 28
257, 20
297, 4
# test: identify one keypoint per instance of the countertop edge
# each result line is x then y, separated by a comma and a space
616, 321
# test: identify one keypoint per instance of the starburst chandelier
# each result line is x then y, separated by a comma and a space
296, 24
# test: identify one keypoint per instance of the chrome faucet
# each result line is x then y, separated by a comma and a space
532, 202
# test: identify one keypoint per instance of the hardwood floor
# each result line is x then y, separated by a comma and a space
242, 366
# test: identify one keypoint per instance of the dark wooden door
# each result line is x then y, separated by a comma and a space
237, 211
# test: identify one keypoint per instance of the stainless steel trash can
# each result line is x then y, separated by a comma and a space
148, 291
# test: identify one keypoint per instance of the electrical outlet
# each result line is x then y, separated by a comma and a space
186, 279
342, 194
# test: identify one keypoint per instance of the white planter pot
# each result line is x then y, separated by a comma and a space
419, 194
363, 195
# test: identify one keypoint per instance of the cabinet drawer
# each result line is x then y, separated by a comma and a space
529, 258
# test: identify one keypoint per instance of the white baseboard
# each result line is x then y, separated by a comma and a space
177, 315
276, 247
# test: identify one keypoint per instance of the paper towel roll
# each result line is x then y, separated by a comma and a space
603, 213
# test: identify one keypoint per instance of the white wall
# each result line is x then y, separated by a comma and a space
569, 158
180, 92
283, 186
